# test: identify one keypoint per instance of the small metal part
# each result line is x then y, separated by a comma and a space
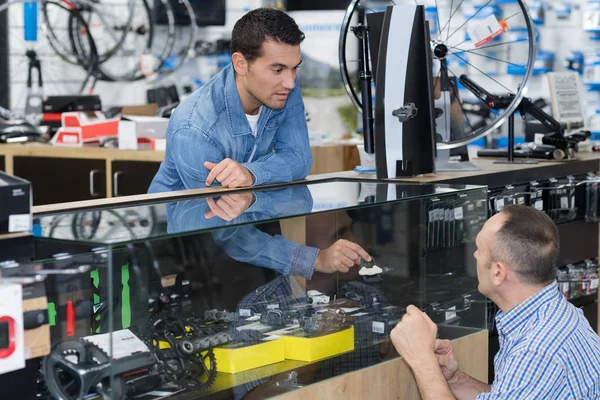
291, 382
408, 112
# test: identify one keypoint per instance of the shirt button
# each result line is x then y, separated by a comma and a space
276, 123
248, 151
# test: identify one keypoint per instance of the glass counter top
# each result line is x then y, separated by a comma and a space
157, 220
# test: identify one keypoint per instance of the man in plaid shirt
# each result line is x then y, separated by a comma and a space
547, 348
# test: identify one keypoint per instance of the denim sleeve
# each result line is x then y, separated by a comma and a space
292, 158
250, 245
282, 202
190, 149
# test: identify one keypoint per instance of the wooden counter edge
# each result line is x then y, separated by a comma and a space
486, 166
394, 379
81, 152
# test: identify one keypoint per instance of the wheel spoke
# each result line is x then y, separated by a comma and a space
510, 91
437, 13
455, 89
449, 19
487, 47
470, 18
517, 13
491, 58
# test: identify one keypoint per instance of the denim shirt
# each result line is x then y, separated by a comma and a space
247, 243
210, 125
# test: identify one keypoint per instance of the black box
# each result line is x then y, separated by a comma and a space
61, 104
15, 204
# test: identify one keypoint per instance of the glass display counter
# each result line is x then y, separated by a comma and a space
247, 293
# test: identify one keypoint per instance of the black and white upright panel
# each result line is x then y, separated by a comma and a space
404, 77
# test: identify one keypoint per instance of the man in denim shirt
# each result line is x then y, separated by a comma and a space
247, 127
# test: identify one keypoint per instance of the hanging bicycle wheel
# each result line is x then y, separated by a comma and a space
35, 68
148, 44
186, 32
107, 22
494, 46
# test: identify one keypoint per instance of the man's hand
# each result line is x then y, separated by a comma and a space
340, 257
229, 206
445, 357
414, 337
229, 174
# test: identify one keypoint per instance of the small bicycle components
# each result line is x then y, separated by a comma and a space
406, 113
315, 297
278, 318
75, 369
331, 320
184, 349
219, 316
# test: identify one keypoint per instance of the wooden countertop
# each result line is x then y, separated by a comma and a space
46, 150
486, 166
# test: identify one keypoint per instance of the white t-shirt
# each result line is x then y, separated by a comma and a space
253, 121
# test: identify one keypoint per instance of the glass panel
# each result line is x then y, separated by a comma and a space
118, 225
261, 307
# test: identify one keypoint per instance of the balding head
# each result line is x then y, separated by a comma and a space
527, 240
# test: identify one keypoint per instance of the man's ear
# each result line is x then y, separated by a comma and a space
240, 64
499, 271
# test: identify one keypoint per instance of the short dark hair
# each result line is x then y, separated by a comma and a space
260, 25
528, 240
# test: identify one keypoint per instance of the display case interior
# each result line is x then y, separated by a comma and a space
243, 294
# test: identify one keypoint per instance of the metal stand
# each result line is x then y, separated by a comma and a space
362, 33
444, 164
511, 146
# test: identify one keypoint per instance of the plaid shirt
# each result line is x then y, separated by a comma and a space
547, 351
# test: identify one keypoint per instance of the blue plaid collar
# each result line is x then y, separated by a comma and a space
511, 321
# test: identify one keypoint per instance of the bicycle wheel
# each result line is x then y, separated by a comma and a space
108, 22
145, 48
35, 69
186, 32
501, 63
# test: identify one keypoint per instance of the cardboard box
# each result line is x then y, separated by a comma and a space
137, 131
80, 128
15, 204
144, 109
237, 357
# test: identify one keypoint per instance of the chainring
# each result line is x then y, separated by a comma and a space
164, 333
76, 368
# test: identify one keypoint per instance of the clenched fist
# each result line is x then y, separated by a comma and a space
340, 257
229, 174
415, 336
445, 357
